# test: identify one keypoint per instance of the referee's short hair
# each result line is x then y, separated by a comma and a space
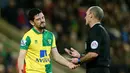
32, 12
97, 11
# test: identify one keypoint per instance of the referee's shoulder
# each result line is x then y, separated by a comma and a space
97, 29
101, 28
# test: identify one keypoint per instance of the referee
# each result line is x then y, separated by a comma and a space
97, 56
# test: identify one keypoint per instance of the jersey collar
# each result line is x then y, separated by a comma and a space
36, 31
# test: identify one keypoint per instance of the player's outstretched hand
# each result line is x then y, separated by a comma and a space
72, 66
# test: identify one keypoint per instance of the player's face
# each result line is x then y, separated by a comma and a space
39, 21
87, 17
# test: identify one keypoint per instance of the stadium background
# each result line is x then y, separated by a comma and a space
65, 18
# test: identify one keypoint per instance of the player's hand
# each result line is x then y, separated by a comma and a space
74, 60
72, 66
20, 71
72, 52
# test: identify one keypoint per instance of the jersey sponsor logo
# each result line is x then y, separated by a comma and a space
42, 60
94, 44
43, 53
23, 42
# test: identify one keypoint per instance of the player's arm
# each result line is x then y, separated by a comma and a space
25, 42
60, 59
21, 58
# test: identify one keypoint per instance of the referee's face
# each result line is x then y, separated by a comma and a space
87, 17
39, 21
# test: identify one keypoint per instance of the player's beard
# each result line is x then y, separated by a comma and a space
40, 27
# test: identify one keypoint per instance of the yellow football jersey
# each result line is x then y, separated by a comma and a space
38, 46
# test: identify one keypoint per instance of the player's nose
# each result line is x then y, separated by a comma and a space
42, 20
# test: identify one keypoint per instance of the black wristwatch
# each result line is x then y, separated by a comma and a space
79, 62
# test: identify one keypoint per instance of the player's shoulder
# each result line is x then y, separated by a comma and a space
28, 33
48, 32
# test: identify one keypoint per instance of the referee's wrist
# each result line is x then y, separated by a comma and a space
79, 61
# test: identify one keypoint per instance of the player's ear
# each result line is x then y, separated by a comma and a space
32, 23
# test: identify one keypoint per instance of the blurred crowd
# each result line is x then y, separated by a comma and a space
65, 18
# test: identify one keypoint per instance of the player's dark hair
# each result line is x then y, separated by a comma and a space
97, 11
33, 12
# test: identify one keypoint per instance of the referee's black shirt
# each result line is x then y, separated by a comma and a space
98, 41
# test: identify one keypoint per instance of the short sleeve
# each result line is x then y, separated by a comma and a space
95, 41
54, 42
25, 42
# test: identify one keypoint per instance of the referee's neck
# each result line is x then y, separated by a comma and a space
94, 23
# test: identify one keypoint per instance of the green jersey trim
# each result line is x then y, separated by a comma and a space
25, 43
49, 67
47, 38
54, 47
35, 31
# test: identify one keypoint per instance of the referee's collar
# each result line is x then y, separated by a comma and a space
37, 31
97, 23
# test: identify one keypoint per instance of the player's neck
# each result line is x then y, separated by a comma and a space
39, 30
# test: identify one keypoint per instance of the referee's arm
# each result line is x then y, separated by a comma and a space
95, 40
88, 57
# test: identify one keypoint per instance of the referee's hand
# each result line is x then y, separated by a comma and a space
72, 52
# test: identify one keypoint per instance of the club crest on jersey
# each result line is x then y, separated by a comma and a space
36, 41
49, 41
23, 42
94, 44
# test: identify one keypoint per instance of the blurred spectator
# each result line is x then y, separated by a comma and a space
2, 68
3, 3
10, 13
